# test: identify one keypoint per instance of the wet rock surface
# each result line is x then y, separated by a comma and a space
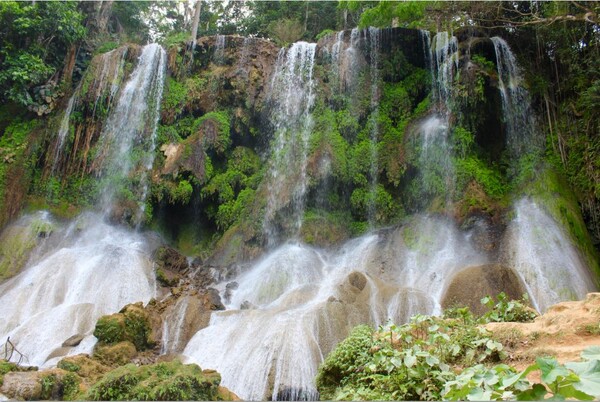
470, 285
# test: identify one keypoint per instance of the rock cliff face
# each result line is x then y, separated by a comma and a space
370, 176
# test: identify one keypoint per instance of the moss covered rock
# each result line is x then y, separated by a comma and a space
131, 324
88, 369
168, 381
115, 354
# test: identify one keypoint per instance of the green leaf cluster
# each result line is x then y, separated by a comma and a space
408, 362
33, 38
505, 310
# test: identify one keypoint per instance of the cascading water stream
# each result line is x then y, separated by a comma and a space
63, 131
295, 304
522, 135
292, 91
437, 173
374, 45
92, 268
544, 257
108, 82
219, 54
133, 123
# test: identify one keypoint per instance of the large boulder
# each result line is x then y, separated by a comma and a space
470, 285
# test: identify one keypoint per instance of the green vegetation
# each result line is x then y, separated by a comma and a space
449, 358
505, 310
26, 64
171, 381
131, 324
6, 367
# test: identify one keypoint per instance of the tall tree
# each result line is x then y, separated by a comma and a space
196, 20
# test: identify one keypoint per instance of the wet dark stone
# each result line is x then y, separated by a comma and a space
297, 394
214, 299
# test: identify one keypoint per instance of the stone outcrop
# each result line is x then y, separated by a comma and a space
470, 285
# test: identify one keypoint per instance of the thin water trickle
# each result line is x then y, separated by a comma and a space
522, 135
132, 124
374, 45
544, 257
63, 131
292, 92
219, 54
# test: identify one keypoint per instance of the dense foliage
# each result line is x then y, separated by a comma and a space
47, 46
450, 358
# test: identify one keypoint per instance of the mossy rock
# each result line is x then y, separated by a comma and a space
6, 367
54, 384
172, 381
115, 354
110, 329
58, 384
130, 324
16, 243
171, 259
84, 366
324, 229
166, 278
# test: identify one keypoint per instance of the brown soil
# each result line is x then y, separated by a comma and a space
563, 332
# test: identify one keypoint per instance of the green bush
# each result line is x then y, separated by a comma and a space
505, 310
172, 381
409, 362
110, 329
351, 354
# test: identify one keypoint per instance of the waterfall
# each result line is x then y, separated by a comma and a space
544, 257
219, 54
522, 135
173, 324
292, 92
374, 45
243, 63
444, 65
436, 168
132, 123
295, 304
63, 131
93, 269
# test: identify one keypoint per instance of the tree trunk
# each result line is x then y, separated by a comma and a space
196, 21
67, 74
103, 16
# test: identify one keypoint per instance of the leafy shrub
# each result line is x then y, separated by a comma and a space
574, 380
346, 358
324, 33
505, 310
412, 361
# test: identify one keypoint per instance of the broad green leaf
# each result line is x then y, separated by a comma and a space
591, 353
536, 393
571, 392
589, 376
476, 394
509, 381
432, 360
551, 369
396, 361
410, 360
